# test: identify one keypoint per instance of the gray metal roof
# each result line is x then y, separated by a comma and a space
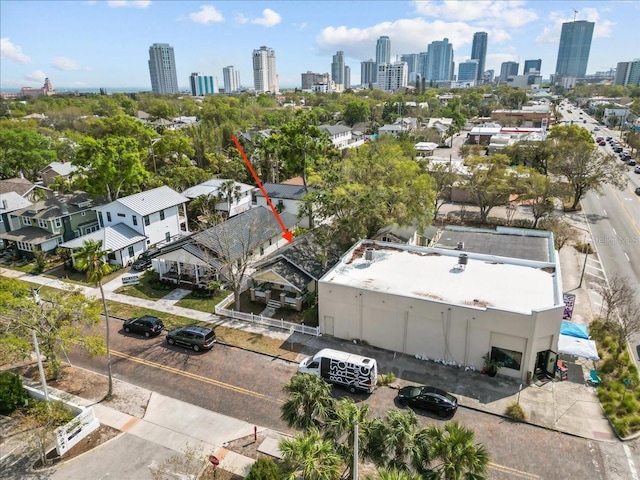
61, 168
150, 201
334, 129
491, 242
284, 192
244, 232
113, 238
10, 201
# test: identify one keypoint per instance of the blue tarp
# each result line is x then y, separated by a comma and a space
574, 330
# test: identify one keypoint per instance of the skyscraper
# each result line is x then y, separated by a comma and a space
265, 78
367, 72
411, 59
532, 66
628, 73
439, 66
392, 76
162, 68
337, 68
468, 70
479, 52
202, 85
383, 52
508, 69
347, 77
573, 51
231, 79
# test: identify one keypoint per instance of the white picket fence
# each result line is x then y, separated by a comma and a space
261, 320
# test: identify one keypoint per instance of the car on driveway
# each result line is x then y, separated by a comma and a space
145, 325
192, 336
631, 162
637, 169
428, 398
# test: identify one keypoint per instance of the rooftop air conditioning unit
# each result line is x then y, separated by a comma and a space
368, 254
460, 246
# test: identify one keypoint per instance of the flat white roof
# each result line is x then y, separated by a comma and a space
431, 274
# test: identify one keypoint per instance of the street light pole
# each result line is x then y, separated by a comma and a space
43, 379
587, 247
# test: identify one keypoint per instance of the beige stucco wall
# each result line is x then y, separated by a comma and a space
434, 329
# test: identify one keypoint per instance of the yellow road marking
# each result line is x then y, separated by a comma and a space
513, 471
194, 376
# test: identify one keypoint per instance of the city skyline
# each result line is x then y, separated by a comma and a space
115, 37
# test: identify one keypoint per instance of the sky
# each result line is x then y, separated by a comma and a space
92, 44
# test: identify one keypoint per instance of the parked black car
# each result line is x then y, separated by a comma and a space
192, 336
429, 398
145, 325
144, 260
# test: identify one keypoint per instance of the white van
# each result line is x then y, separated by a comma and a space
354, 372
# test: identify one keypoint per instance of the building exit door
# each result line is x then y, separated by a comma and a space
546, 363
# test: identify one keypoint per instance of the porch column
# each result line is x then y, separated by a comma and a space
252, 291
282, 299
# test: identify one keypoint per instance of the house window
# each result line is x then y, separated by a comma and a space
26, 221
111, 256
83, 214
146, 220
161, 214
24, 246
121, 215
131, 252
108, 216
58, 222
509, 358
134, 218
167, 236
43, 223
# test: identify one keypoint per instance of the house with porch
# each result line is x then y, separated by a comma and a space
47, 223
205, 257
9, 202
289, 277
341, 136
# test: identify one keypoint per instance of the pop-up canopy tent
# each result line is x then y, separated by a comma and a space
574, 340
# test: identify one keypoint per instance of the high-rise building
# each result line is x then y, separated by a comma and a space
508, 69
479, 52
392, 76
231, 79
488, 76
440, 64
468, 70
202, 85
532, 66
162, 68
383, 52
628, 73
367, 73
337, 68
573, 51
421, 69
411, 59
347, 77
265, 78
310, 79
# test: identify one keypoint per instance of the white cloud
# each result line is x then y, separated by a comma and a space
37, 76
129, 3
269, 18
207, 14
300, 26
12, 51
62, 63
551, 32
497, 13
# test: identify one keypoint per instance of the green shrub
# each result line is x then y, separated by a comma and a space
41, 261
386, 379
515, 412
12, 393
584, 247
264, 469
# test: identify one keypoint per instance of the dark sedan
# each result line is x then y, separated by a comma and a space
429, 398
146, 325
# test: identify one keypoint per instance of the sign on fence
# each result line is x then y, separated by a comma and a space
569, 302
130, 280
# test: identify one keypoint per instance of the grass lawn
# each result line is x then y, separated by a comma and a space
80, 278
203, 304
145, 289
247, 306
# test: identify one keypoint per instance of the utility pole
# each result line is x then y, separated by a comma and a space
355, 451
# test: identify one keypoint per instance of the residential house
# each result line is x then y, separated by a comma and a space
289, 276
451, 304
56, 169
406, 235
9, 202
47, 223
207, 254
425, 149
24, 188
341, 136
159, 214
404, 124
285, 199
238, 203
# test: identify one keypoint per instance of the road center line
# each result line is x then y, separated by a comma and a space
513, 471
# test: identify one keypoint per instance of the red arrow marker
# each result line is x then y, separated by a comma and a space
287, 235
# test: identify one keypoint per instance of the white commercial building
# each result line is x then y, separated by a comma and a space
392, 76
231, 79
265, 78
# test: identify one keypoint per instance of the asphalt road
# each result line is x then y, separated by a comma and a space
248, 386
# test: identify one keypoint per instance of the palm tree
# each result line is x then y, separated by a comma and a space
339, 429
310, 401
454, 454
310, 457
90, 258
393, 475
230, 191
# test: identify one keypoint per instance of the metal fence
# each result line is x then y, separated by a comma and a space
261, 320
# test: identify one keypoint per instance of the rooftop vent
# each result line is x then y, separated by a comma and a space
460, 246
463, 259
64, 208
368, 254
